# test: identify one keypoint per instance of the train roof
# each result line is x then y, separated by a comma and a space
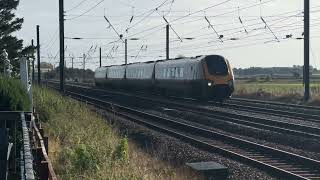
199, 57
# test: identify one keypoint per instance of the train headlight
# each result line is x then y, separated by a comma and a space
210, 84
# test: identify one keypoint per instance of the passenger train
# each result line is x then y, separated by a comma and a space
202, 77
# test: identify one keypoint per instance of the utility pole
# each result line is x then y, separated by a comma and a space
84, 61
306, 66
126, 51
72, 63
38, 53
84, 66
167, 41
32, 44
100, 56
61, 27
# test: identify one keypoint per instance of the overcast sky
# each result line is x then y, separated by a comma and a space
245, 44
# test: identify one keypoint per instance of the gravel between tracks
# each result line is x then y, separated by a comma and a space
259, 115
177, 152
298, 145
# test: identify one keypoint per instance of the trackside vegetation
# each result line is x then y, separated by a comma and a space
288, 92
84, 146
13, 97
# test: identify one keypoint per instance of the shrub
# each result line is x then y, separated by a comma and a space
121, 151
13, 97
83, 158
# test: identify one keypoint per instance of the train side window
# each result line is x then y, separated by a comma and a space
178, 72
181, 72
168, 73
172, 72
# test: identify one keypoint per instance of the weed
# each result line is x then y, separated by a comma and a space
85, 146
13, 97
122, 150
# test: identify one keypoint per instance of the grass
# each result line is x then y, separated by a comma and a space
83, 146
13, 97
290, 92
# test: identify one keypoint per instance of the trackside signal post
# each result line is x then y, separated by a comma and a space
306, 73
61, 27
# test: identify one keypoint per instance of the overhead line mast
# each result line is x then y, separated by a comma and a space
306, 72
61, 27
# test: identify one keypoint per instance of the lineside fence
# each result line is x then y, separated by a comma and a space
23, 147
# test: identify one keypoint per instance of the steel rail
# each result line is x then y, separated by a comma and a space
305, 107
276, 112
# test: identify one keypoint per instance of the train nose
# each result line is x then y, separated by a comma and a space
220, 92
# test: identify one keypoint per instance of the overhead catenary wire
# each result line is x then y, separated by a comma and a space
202, 10
150, 12
87, 11
211, 26
195, 32
172, 28
119, 35
76, 6
270, 29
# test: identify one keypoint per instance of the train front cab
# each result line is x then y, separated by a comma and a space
219, 79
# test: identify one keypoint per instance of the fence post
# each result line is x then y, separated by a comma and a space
25, 80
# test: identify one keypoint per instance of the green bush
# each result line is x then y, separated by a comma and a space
13, 97
121, 151
83, 158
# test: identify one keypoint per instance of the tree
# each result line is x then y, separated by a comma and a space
296, 74
8, 25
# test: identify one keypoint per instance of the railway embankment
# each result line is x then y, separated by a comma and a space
84, 145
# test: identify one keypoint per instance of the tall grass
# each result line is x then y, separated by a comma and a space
288, 92
84, 146
13, 97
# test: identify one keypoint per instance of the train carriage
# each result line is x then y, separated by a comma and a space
179, 76
140, 75
100, 76
208, 77
115, 76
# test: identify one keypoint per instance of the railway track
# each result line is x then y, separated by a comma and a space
281, 163
263, 123
296, 106
301, 112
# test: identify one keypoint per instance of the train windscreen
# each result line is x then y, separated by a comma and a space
217, 65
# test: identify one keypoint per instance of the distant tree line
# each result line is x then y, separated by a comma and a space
75, 74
